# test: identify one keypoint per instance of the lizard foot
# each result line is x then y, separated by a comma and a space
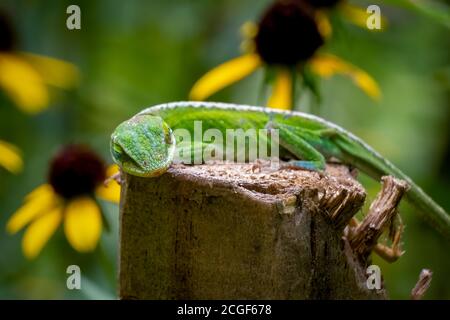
116, 177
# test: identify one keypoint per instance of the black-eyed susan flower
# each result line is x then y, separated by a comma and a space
286, 42
76, 177
25, 77
10, 157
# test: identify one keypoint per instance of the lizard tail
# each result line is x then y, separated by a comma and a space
363, 157
433, 213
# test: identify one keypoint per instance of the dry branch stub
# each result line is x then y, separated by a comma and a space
381, 214
233, 232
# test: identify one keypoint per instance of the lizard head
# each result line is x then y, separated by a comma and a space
143, 146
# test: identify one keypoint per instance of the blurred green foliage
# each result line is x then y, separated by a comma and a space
134, 54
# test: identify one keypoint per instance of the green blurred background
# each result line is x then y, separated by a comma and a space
134, 54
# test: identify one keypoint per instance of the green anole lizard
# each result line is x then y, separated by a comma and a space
145, 144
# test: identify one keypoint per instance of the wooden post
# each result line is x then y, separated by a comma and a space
240, 231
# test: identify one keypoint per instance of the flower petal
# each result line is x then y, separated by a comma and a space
53, 71
39, 192
281, 97
33, 207
40, 231
224, 75
326, 65
83, 223
366, 83
110, 191
10, 158
323, 24
358, 16
249, 30
23, 83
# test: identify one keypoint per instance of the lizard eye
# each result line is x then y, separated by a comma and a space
121, 156
117, 152
117, 149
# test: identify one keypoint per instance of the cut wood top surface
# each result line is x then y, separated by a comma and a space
334, 188
263, 179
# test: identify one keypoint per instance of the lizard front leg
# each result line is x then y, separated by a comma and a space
311, 159
116, 177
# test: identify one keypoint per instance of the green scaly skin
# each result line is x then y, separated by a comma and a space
145, 144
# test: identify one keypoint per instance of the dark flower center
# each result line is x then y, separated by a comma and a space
7, 36
287, 34
321, 3
76, 170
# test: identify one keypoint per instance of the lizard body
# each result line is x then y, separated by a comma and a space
145, 144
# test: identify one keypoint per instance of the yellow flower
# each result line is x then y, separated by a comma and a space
326, 65
10, 157
76, 176
26, 77
286, 41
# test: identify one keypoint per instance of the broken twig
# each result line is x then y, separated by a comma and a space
422, 284
381, 213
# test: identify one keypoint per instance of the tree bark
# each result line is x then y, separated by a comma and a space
240, 231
